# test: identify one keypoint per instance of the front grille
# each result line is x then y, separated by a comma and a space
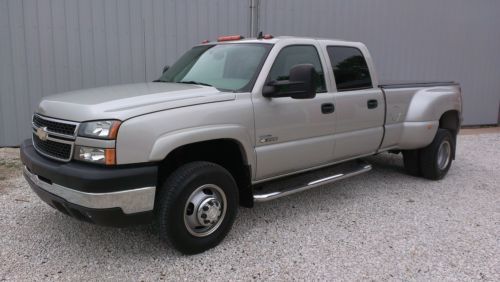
54, 126
61, 151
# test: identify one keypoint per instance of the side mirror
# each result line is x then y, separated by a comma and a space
301, 84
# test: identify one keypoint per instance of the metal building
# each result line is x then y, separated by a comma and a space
51, 46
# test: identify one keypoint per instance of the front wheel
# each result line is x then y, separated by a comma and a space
196, 206
435, 159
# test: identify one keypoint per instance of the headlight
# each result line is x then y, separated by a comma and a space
101, 129
95, 155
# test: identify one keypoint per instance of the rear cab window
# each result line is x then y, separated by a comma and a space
349, 68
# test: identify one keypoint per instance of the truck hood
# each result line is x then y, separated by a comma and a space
125, 101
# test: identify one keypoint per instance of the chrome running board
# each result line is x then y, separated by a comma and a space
297, 183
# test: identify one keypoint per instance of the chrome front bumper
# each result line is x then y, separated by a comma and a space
129, 201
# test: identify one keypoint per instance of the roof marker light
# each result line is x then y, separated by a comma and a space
229, 38
265, 36
205, 41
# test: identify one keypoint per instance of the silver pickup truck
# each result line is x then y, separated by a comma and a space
231, 123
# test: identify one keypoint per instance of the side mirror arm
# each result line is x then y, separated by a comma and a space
270, 89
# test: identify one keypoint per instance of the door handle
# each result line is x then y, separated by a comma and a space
372, 104
327, 108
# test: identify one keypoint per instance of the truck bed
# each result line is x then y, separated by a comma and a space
412, 84
401, 96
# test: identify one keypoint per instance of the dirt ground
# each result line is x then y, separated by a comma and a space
10, 166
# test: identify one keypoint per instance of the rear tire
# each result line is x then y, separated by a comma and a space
435, 159
196, 206
411, 160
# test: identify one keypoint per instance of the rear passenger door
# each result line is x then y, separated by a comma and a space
359, 104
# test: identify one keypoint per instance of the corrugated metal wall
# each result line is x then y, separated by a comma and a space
50, 46
410, 40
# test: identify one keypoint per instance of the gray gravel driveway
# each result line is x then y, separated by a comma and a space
382, 225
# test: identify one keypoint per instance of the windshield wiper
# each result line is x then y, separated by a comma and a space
195, 82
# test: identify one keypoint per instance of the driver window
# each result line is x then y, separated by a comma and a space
295, 55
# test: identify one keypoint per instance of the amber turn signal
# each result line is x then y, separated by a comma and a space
110, 156
113, 131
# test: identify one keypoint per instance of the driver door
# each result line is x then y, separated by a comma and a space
294, 134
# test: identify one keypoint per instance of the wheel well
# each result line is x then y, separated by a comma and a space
451, 120
227, 153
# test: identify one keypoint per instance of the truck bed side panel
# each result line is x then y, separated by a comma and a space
413, 113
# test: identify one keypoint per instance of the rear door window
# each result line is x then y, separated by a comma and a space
349, 68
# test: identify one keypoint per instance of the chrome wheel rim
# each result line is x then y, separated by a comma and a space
205, 210
444, 155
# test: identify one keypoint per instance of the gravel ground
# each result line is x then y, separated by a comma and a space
382, 225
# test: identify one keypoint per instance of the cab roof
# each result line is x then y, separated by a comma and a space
277, 39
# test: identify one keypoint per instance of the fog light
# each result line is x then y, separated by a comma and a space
95, 155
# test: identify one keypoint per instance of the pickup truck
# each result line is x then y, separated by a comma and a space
233, 122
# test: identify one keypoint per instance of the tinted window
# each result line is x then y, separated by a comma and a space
350, 68
295, 55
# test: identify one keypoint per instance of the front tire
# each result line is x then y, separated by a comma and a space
435, 159
196, 206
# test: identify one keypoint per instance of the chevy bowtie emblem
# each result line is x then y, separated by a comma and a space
41, 132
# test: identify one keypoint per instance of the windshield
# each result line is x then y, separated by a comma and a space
232, 67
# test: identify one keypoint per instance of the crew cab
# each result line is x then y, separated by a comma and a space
232, 123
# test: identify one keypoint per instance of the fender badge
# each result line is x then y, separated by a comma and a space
42, 133
267, 138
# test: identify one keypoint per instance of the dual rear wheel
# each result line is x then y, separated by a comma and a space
433, 161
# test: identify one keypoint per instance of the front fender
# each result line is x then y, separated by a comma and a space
170, 141
151, 137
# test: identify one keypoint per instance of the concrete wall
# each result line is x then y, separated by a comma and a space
51, 46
